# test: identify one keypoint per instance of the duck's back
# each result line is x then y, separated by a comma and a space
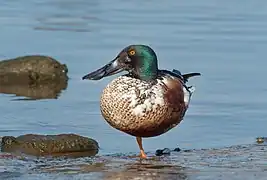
144, 109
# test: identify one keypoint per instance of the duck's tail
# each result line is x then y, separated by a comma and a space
189, 75
185, 76
188, 90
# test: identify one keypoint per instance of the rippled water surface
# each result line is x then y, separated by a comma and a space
224, 40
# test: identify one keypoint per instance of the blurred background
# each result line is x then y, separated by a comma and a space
226, 41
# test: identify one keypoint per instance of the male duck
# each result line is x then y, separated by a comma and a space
146, 102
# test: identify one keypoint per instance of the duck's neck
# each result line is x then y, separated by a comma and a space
147, 68
148, 74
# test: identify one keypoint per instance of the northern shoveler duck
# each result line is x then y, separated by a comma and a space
145, 102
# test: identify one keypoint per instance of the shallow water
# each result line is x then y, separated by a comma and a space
224, 40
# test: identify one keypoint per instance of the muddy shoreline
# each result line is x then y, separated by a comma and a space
235, 162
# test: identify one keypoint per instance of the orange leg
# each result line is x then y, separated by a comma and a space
139, 142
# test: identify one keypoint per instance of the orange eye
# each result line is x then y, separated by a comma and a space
132, 52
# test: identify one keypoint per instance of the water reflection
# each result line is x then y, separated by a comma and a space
48, 90
148, 171
118, 169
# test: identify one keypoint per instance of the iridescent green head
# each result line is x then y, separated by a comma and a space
140, 60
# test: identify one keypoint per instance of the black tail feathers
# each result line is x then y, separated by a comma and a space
185, 76
178, 74
189, 75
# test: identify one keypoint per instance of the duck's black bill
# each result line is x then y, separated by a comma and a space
111, 68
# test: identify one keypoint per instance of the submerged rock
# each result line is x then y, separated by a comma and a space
50, 145
30, 69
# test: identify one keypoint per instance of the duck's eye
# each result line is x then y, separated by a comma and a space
132, 52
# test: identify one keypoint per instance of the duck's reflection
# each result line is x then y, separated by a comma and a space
34, 91
148, 171
120, 167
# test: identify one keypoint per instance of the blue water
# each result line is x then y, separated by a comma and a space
224, 40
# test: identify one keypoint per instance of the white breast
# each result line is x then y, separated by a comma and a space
142, 96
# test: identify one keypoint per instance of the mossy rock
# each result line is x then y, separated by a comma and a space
31, 69
50, 145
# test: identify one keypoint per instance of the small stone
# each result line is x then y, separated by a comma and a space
177, 150
187, 150
159, 152
261, 140
165, 151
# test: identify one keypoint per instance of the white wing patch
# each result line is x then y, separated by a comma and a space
187, 94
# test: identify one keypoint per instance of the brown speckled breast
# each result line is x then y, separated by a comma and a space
143, 109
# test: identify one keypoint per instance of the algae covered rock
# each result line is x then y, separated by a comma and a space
50, 145
32, 68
